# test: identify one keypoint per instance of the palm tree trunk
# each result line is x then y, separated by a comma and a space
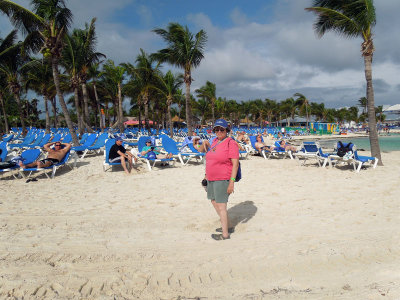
140, 117
213, 112
373, 133
46, 107
85, 103
188, 103
78, 111
3, 108
21, 116
120, 111
102, 125
146, 111
56, 77
171, 129
53, 105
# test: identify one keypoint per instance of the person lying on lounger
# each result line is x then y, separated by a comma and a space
287, 146
260, 145
54, 156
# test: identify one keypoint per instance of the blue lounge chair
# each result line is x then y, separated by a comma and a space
324, 157
97, 146
266, 153
107, 164
54, 167
40, 143
308, 150
88, 142
28, 156
362, 160
348, 158
67, 138
281, 151
151, 162
4, 151
171, 147
8, 138
26, 141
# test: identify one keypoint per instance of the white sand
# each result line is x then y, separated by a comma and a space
302, 232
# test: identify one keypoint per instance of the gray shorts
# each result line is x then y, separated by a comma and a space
217, 190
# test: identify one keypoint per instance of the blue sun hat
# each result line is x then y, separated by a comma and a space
118, 138
221, 123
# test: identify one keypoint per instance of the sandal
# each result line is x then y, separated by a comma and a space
219, 237
230, 229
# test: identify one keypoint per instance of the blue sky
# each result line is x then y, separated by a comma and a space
255, 49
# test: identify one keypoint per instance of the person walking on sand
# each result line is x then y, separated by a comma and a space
54, 156
222, 162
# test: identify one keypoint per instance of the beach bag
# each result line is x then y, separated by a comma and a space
342, 150
239, 174
151, 155
7, 164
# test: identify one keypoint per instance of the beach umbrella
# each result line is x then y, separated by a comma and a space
393, 108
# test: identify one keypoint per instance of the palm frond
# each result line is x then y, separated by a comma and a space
22, 18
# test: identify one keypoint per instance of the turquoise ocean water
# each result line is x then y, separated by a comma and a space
387, 143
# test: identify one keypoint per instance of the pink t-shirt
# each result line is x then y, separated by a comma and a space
218, 160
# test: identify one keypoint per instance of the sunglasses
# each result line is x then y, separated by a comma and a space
219, 129
57, 145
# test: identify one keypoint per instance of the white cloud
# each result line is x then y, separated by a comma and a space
252, 60
237, 17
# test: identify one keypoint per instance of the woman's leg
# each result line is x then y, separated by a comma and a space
223, 216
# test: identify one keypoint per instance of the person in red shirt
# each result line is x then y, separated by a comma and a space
222, 162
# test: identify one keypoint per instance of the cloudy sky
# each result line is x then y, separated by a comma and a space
255, 49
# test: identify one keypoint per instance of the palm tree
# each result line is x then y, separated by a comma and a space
71, 61
353, 19
145, 75
169, 87
94, 73
270, 108
289, 108
39, 77
11, 62
232, 108
6, 45
379, 111
257, 110
208, 91
87, 40
114, 76
201, 109
184, 51
303, 104
3, 93
46, 27
245, 108
363, 102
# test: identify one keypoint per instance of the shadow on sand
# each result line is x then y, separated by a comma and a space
241, 213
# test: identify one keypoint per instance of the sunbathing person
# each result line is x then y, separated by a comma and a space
260, 145
287, 147
146, 149
119, 153
54, 156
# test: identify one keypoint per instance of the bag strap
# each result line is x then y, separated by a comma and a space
217, 144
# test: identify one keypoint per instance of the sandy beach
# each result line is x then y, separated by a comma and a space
301, 232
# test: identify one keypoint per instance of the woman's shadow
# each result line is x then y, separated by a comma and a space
241, 213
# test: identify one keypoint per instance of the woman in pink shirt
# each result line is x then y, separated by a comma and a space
222, 162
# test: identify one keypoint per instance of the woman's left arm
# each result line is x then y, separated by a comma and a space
235, 166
